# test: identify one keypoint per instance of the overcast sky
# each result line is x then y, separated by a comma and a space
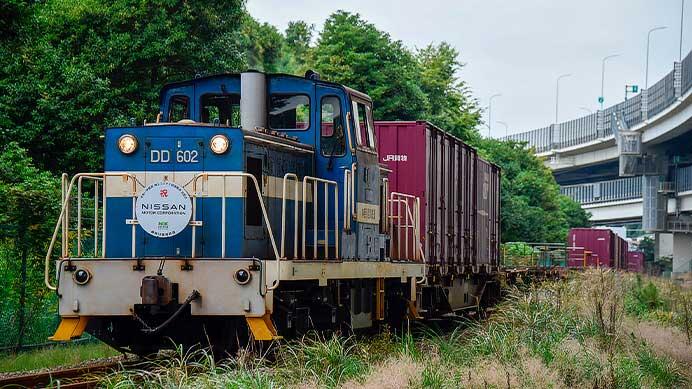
519, 48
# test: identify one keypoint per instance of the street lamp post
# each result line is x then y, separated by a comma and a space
506, 128
682, 19
648, 39
490, 112
557, 94
603, 61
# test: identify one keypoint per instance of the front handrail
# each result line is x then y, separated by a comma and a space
287, 177
194, 223
79, 213
63, 222
327, 183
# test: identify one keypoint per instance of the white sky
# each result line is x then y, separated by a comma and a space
518, 48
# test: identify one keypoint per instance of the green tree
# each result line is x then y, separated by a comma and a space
28, 207
532, 208
450, 104
354, 52
298, 38
265, 48
86, 64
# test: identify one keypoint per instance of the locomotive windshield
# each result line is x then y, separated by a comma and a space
331, 128
289, 112
179, 108
225, 108
365, 134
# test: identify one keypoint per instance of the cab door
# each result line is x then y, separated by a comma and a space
333, 157
370, 243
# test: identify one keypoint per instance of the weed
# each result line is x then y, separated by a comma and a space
433, 377
330, 361
663, 371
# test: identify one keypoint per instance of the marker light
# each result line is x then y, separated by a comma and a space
242, 276
219, 144
127, 144
81, 276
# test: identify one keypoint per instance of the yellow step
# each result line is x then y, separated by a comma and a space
262, 327
70, 328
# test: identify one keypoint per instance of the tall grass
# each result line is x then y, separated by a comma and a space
557, 334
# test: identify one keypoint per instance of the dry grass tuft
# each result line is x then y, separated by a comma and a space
488, 373
667, 341
396, 373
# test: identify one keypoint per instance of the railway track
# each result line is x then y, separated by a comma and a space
65, 378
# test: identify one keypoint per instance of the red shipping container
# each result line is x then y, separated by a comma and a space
459, 192
635, 261
602, 243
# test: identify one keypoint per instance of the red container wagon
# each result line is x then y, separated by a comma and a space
601, 248
459, 192
622, 255
635, 261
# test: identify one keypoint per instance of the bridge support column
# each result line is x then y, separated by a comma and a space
654, 203
682, 254
664, 245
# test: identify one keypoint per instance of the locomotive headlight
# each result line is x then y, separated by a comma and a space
127, 144
219, 144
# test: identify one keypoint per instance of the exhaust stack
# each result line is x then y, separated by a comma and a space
253, 100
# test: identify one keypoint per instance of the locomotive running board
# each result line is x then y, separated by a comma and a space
70, 328
262, 328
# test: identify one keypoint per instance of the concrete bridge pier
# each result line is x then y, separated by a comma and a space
682, 253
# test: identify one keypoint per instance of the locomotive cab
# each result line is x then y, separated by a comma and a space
253, 202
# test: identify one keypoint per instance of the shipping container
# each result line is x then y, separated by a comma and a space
459, 192
600, 247
635, 262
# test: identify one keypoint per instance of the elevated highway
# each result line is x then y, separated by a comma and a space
631, 164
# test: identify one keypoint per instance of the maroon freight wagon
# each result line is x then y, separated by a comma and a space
599, 246
635, 261
459, 192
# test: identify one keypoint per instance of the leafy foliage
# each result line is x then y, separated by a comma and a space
354, 52
450, 104
85, 64
28, 207
532, 208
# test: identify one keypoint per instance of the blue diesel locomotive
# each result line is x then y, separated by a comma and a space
254, 206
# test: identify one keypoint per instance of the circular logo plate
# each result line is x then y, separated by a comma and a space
163, 209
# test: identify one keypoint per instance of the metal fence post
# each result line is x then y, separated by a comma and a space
600, 123
555, 136
677, 79
645, 105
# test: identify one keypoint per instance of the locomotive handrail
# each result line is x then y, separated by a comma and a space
79, 213
64, 213
224, 175
327, 184
414, 219
289, 176
384, 222
348, 183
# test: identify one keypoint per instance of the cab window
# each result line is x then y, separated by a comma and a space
332, 140
362, 118
225, 108
289, 112
178, 108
